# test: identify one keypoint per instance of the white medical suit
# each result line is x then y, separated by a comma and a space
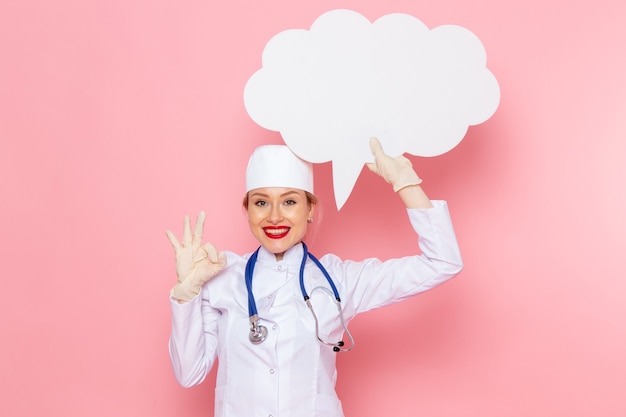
292, 374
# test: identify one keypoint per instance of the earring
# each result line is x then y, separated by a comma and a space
309, 220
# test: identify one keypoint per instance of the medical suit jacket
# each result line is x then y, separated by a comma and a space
292, 374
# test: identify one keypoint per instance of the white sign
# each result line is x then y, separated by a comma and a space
329, 89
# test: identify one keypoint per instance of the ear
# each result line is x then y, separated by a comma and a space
244, 203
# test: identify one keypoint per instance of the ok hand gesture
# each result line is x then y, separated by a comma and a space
196, 263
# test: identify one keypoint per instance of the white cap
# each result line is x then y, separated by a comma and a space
277, 166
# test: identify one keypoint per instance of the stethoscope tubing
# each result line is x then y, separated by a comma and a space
319, 265
258, 333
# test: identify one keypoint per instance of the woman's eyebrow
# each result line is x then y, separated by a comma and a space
259, 194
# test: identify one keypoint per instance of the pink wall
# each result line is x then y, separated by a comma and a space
119, 117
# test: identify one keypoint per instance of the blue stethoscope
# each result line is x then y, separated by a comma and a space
258, 332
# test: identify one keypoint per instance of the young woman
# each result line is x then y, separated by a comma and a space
277, 317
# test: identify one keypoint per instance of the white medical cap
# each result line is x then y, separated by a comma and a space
277, 166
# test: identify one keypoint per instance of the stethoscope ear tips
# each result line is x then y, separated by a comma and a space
338, 347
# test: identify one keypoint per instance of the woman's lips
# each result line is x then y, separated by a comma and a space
276, 232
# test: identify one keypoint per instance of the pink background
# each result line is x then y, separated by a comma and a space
119, 117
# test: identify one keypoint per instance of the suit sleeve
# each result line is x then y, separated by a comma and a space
193, 340
372, 283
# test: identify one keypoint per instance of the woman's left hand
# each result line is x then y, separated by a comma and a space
396, 171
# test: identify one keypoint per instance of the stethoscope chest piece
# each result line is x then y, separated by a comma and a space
258, 333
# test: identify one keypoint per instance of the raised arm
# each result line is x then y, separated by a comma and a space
193, 339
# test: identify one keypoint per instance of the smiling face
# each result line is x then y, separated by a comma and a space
278, 217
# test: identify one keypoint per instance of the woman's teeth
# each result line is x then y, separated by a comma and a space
276, 231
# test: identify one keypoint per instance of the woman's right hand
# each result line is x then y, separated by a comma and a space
196, 263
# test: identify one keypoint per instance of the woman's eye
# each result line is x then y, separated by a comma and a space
260, 203
290, 202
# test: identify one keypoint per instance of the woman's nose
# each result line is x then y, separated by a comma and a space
275, 214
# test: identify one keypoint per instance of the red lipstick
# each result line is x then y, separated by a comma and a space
276, 232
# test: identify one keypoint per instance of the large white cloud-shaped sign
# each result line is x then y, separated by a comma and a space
329, 89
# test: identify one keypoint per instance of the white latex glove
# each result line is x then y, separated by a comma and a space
396, 171
195, 263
